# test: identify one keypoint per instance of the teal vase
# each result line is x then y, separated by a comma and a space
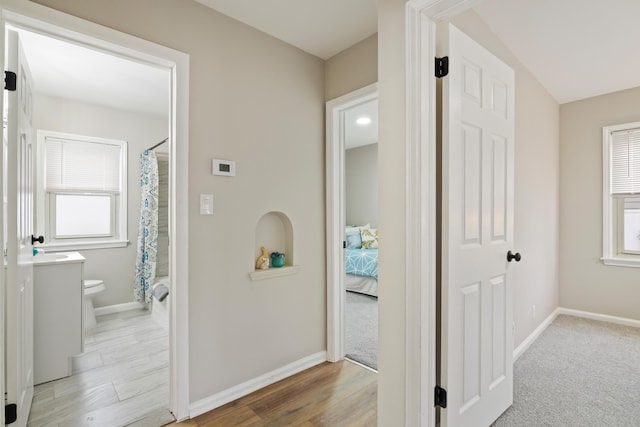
277, 259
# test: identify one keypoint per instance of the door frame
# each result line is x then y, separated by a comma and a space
53, 23
421, 17
336, 207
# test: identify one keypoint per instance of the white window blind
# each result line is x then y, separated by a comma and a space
625, 162
82, 165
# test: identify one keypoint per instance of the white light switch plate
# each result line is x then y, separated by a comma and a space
206, 204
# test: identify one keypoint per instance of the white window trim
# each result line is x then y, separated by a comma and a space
610, 236
121, 237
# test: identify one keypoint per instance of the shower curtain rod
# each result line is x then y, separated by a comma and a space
158, 144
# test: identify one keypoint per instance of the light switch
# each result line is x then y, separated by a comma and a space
206, 204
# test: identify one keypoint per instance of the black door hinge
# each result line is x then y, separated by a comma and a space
344, 244
442, 66
440, 397
10, 80
10, 413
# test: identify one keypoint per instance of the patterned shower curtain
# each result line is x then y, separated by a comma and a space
148, 228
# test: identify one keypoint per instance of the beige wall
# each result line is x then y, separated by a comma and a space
352, 68
361, 185
537, 171
140, 131
588, 284
260, 102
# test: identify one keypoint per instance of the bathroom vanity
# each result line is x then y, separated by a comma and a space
57, 308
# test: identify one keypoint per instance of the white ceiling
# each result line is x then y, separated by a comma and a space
320, 27
356, 135
576, 48
569, 45
66, 70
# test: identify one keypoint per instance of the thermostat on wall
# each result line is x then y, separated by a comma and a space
224, 167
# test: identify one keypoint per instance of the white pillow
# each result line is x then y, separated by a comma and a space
369, 238
352, 228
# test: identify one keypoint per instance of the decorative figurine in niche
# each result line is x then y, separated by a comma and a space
277, 259
262, 263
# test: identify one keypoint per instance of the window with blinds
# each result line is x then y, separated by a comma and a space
625, 161
621, 195
82, 165
84, 187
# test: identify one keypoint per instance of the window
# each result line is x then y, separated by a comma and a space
621, 198
82, 191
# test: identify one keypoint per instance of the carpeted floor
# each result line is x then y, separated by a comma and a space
579, 372
361, 329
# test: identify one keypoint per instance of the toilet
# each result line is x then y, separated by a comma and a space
91, 288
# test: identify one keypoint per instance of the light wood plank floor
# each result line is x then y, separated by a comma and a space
330, 394
121, 379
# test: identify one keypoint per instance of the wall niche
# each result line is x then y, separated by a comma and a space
275, 232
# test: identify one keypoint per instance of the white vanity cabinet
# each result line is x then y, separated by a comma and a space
57, 311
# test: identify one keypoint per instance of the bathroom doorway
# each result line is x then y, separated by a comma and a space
71, 122
83, 112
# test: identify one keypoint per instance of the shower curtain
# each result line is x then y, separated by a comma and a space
147, 229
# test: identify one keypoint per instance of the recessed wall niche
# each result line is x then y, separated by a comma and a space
275, 232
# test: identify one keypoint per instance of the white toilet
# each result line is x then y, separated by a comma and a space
91, 288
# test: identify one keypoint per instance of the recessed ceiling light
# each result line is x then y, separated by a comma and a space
363, 121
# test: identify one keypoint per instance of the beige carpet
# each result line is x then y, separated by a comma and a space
579, 372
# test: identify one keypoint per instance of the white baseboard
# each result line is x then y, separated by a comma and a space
117, 308
524, 345
209, 403
602, 317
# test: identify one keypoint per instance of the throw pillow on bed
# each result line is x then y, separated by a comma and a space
369, 238
354, 241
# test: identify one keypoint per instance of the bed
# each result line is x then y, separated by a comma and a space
361, 261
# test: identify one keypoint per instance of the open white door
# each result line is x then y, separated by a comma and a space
19, 301
477, 234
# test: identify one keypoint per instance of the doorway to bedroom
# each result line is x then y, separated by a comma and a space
352, 224
361, 233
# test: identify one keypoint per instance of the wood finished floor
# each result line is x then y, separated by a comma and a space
121, 379
331, 394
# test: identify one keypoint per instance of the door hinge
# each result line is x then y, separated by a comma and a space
10, 80
440, 397
344, 244
10, 413
442, 66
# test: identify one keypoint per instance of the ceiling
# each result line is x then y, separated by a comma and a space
575, 48
357, 135
320, 27
568, 45
70, 71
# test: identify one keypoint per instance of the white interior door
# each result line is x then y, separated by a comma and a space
477, 202
19, 301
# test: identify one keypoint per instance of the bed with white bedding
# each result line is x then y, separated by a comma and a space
361, 285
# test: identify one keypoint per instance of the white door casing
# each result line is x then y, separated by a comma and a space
336, 208
19, 307
477, 233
